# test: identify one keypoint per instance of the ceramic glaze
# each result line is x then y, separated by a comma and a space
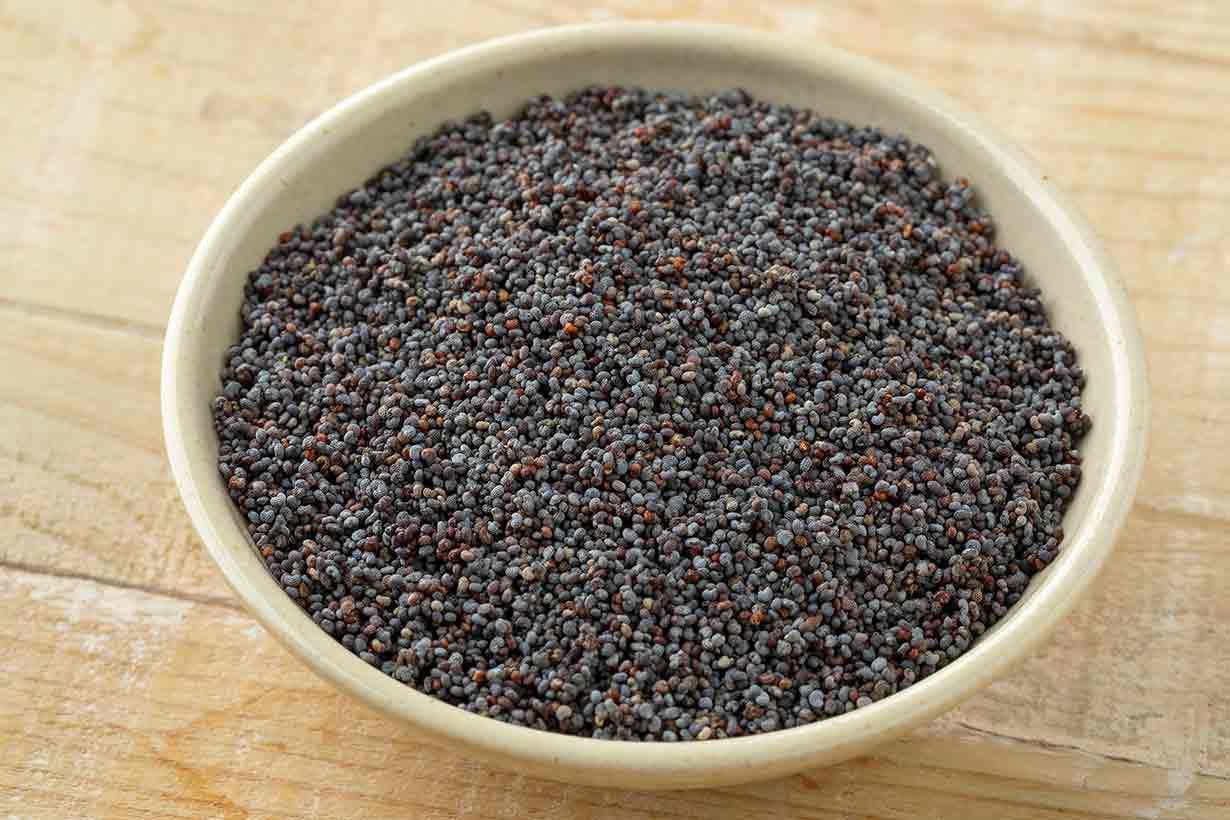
340, 149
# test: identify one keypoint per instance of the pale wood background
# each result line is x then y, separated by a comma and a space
132, 684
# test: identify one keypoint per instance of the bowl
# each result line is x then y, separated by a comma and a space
345, 145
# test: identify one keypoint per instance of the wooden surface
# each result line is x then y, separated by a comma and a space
131, 683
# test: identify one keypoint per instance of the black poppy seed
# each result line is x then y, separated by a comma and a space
653, 417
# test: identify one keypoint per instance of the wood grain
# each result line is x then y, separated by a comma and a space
84, 485
134, 684
229, 727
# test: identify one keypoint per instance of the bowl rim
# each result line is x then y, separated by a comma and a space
1087, 547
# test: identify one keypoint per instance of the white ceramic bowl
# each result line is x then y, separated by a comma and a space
342, 147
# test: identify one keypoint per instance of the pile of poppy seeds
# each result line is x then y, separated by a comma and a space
654, 417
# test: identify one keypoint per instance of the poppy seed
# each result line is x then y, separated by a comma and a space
653, 417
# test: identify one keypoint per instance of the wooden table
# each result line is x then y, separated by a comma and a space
133, 685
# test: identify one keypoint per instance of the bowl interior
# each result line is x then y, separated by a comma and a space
345, 146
